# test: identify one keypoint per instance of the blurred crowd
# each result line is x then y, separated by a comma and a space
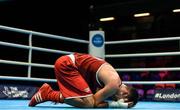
146, 91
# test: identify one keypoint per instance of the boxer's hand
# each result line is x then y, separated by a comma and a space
130, 104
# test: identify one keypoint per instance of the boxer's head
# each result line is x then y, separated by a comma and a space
127, 93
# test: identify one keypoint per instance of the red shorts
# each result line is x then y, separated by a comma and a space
70, 81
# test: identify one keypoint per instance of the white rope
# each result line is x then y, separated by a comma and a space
26, 79
147, 69
142, 54
54, 80
34, 48
26, 63
14, 45
86, 42
43, 34
151, 82
142, 40
117, 69
30, 47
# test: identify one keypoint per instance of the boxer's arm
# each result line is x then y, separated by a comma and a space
89, 102
106, 92
111, 81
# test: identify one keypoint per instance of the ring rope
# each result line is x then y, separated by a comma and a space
26, 63
147, 69
26, 79
34, 48
30, 47
43, 34
142, 54
117, 69
151, 82
54, 80
142, 40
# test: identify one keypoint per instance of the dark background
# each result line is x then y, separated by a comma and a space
68, 17
74, 18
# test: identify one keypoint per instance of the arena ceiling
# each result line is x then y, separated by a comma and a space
73, 16
129, 7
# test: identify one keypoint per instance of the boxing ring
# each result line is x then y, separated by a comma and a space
22, 104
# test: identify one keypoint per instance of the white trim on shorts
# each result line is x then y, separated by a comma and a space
79, 96
71, 56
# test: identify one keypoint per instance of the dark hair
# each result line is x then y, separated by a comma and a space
133, 95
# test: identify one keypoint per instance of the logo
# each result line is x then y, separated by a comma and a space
98, 40
13, 92
167, 95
